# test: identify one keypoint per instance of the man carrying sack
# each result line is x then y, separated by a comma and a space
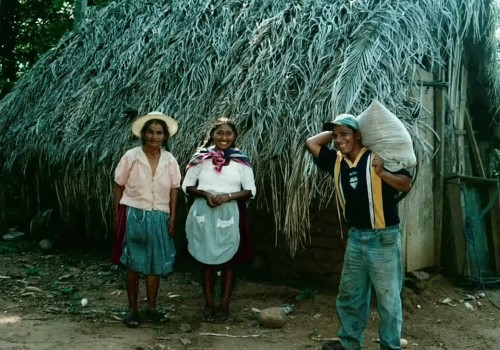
366, 192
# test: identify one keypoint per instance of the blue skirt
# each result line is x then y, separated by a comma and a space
147, 248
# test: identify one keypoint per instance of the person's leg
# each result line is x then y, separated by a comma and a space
152, 286
132, 285
208, 291
386, 272
353, 299
227, 285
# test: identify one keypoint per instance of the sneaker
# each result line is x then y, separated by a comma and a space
332, 345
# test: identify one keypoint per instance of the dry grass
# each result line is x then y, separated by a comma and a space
279, 68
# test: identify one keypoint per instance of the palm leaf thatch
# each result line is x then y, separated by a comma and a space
278, 68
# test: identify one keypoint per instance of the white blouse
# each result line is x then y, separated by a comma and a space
233, 177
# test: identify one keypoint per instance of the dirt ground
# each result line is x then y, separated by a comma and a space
41, 308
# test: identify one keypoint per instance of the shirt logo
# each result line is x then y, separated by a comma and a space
353, 180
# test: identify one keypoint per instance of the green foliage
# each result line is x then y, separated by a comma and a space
32, 27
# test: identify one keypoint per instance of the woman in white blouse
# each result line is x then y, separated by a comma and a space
220, 178
147, 181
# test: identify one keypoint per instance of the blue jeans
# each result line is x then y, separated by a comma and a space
372, 258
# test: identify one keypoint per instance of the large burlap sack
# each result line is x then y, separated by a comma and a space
384, 134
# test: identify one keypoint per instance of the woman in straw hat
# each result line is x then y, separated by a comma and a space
147, 180
220, 179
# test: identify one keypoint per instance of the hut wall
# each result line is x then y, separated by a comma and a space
417, 208
320, 260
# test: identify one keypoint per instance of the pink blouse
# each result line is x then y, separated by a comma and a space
142, 189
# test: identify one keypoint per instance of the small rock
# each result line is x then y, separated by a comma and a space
84, 302
448, 301
46, 244
421, 275
185, 341
469, 306
273, 317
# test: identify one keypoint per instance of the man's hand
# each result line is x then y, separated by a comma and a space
399, 182
378, 165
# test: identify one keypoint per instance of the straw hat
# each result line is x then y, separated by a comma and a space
137, 125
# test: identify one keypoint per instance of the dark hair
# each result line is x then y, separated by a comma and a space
155, 121
209, 140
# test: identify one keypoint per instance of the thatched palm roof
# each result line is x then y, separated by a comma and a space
279, 68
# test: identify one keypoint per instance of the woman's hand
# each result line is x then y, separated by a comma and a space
210, 198
217, 200
221, 199
171, 226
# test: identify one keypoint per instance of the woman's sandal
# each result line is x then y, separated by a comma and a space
207, 316
221, 317
154, 315
131, 320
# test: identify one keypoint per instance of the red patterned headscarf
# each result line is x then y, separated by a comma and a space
219, 158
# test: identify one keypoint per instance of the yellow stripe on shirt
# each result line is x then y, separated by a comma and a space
377, 200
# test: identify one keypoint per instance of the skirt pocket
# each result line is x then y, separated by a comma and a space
226, 230
136, 230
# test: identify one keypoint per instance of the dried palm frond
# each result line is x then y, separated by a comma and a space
278, 68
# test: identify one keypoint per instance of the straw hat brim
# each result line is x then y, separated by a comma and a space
172, 124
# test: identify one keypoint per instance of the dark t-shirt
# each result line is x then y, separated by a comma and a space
358, 191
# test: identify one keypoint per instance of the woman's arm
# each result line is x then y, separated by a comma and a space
216, 200
193, 191
173, 211
224, 198
117, 196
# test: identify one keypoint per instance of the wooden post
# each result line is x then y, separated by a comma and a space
439, 172
454, 70
478, 163
461, 122
80, 10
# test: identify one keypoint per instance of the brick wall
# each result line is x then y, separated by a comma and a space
320, 260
